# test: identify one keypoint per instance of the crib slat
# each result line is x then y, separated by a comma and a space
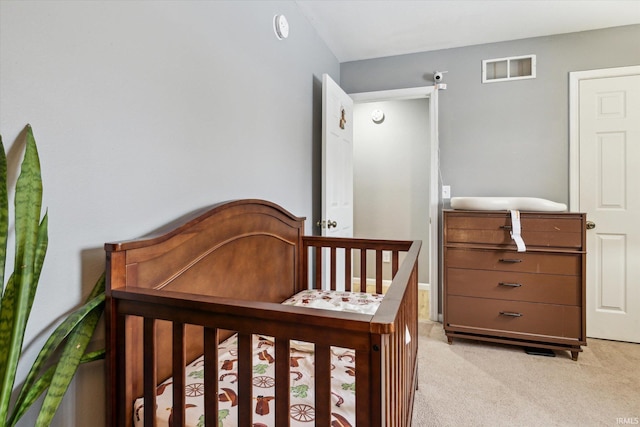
364, 406
178, 362
394, 263
396, 358
323, 384
318, 283
150, 377
363, 270
211, 365
333, 268
347, 269
379, 271
245, 370
379, 365
121, 416
283, 401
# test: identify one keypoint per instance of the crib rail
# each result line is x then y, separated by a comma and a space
385, 343
284, 323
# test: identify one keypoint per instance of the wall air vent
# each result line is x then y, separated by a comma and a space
512, 68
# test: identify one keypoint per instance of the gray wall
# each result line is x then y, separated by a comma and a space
391, 175
507, 138
144, 111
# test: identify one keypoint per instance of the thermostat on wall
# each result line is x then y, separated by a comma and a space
281, 27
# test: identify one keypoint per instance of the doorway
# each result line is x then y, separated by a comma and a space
381, 121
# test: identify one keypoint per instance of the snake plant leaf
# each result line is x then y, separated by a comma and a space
50, 347
58, 336
8, 301
65, 349
93, 356
6, 326
67, 366
98, 288
40, 252
28, 203
37, 388
42, 383
4, 213
14, 315
78, 329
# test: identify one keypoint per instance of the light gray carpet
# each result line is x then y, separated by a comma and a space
471, 383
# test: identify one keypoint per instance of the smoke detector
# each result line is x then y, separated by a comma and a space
281, 27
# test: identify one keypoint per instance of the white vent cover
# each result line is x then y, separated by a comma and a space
512, 68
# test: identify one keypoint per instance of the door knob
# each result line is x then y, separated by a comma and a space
327, 224
591, 225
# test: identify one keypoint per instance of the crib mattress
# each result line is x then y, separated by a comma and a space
302, 412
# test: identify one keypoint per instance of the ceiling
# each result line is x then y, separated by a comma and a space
364, 29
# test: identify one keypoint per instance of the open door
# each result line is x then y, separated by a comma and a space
337, 160
337, 170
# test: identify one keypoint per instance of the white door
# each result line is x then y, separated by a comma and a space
337, 160
337, 171
609, 173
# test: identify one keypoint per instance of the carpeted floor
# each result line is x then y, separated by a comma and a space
472, 383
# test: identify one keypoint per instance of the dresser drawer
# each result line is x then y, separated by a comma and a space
531, 287
526, 262
494, 229
489, 316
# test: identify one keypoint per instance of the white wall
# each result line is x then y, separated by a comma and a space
391, 174
143, 111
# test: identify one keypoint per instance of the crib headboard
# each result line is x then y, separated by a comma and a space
244, 249
219, 244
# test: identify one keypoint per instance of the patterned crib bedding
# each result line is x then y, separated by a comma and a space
354, 302
302, 397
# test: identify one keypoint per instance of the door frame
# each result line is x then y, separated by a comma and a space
574, 122
431, 93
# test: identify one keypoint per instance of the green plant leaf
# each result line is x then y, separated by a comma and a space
93, 356
6, 304
28, 203
77, 328
54, 341
98, 288
57, 362
31, 396
4, 214
15, 313
67, 366
42, 384
42, 244
6, 326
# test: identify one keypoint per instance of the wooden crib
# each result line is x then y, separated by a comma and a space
175, 295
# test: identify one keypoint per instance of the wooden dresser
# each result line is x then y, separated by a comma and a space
534, 298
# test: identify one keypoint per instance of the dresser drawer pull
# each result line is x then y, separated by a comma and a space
506, 227
510, 260
510, 314
512, 285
